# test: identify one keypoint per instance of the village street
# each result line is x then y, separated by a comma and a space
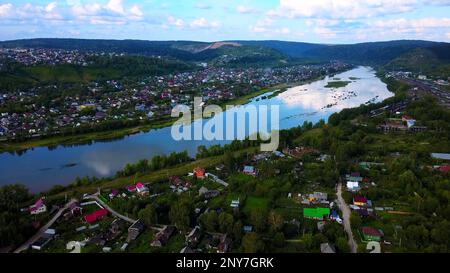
41, 231
346, 215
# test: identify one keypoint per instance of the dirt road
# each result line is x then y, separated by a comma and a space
346, 215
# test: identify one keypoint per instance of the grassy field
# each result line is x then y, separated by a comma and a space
253, 203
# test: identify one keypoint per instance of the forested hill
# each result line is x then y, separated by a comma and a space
187, 51
364, 53
265, 53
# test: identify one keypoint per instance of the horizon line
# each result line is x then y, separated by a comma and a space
219, 41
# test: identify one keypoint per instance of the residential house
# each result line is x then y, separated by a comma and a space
187, 250
76, 209
135, 230
95, 216
42, 241
202, 191
175, 181
353, 186
38, 207
318, 197
113, 194
211, 194
235, 203
299, 151
199, 173
320, 225
115, 229
131, 188
327, 248
193, 238
359, 201
440, 156
162, 237
444, 169
225, 244
142, 189
371, 234
250, 170
248, 228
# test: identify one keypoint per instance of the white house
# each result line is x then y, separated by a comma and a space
353, 186
38, 207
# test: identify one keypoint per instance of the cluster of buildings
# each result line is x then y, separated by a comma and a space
30, 113
405, 124
44, 56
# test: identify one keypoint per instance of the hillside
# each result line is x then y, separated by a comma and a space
403, 53
432, 61
100, 68
215, 53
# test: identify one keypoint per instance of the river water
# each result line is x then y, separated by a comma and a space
41, 168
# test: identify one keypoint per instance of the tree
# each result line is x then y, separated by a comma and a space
275, 221
229, 160
355, 220
342, 245
252, 243
210, 221
258, 219
149, 215
278, 239
226, 222
180, 214
237, 230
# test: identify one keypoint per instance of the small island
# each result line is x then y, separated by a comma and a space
337, 84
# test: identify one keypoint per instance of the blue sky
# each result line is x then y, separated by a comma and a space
321, 21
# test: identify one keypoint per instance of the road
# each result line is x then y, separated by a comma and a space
346, 215
113, 212
41, 231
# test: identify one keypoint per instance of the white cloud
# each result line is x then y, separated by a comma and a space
5, 9
267, 26
116, 6
343, 9
177, 22
413, 23
30, 12
203, 23
113, 12
245, 9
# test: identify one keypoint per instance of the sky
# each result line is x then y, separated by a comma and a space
317, 21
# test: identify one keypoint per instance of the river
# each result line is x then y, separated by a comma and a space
41, 168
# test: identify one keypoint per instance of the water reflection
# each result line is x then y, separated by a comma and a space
40, 168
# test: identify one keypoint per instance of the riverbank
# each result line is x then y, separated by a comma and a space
86, 138
152, 177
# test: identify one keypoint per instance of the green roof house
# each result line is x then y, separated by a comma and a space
316, 213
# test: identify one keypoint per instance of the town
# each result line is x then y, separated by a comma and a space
306, 197
115, 103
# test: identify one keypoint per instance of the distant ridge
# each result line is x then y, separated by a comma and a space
370, 53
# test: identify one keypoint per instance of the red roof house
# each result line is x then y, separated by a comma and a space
131, 188
199, 172
444, 169
96, 215
359, 201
